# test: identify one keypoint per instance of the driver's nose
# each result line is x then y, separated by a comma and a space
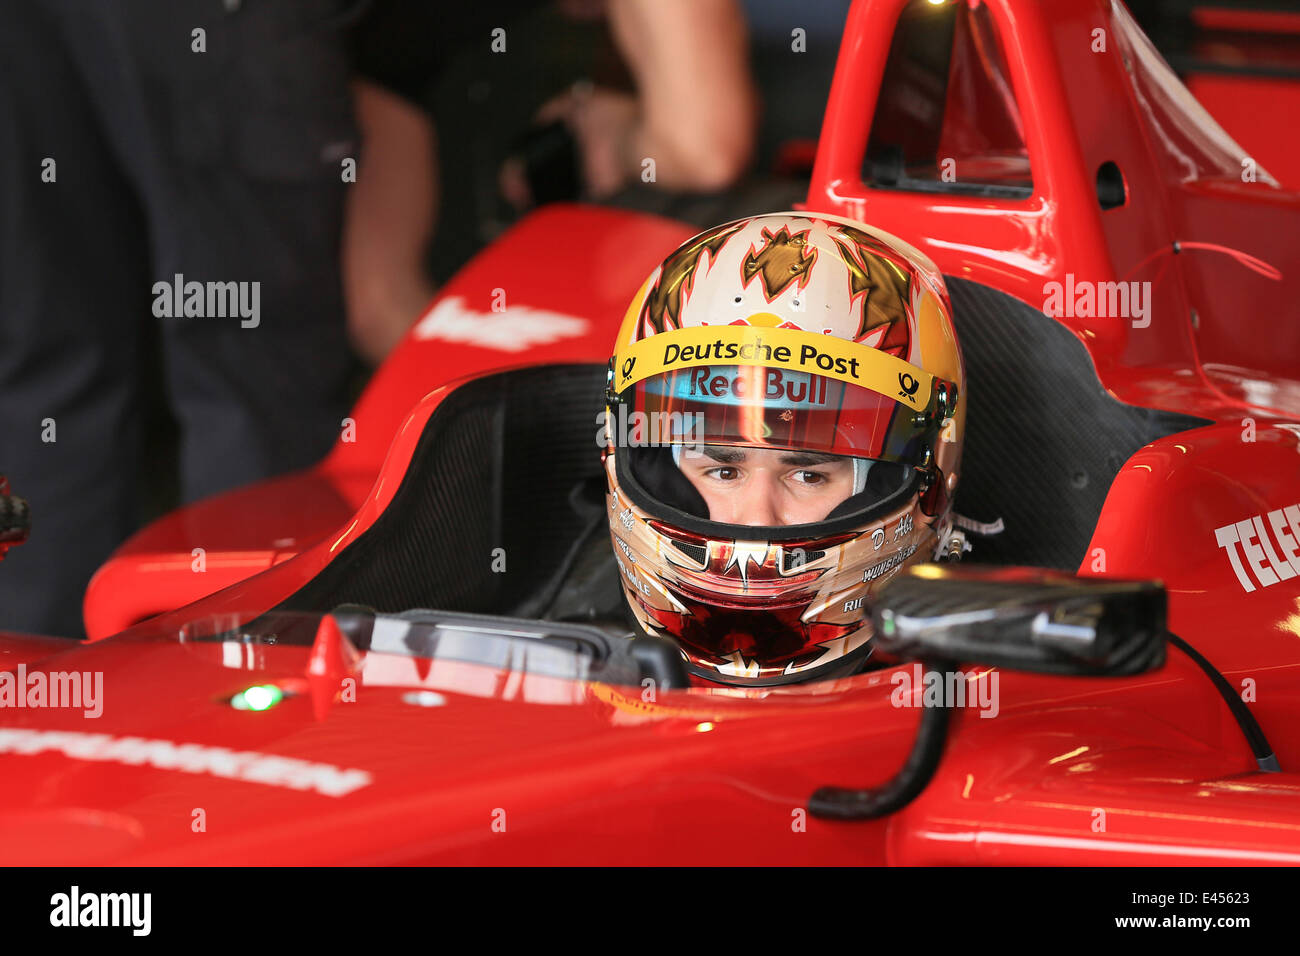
759, 503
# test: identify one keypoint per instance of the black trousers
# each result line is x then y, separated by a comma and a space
129, 155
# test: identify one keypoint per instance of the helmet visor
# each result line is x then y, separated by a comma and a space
757, 406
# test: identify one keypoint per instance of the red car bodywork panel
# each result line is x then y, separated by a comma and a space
1254, 109
509, 768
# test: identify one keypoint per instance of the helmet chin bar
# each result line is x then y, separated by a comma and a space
846, 666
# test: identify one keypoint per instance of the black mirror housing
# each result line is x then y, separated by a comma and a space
1026, 619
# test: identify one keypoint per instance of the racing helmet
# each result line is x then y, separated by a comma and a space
810, 335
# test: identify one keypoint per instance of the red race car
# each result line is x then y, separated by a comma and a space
413, 652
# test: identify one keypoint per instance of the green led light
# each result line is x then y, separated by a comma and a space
258, 697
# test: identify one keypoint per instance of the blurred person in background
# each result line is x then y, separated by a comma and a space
669, 82
146, 145
149, 147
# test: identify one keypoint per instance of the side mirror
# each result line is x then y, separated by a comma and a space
1026, 619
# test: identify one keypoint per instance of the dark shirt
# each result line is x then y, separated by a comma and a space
404, 44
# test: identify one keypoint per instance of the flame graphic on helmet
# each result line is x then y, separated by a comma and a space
783, 259
881, 287
663, 306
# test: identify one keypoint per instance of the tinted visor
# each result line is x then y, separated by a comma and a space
761, 406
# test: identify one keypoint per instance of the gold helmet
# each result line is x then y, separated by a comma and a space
765, 362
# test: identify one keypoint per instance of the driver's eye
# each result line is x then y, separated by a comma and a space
809, 477
725, 473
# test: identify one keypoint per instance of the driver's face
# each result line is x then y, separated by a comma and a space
767, 486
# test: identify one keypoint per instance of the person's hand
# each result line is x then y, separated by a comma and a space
694, 113
606, 124
602, 123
